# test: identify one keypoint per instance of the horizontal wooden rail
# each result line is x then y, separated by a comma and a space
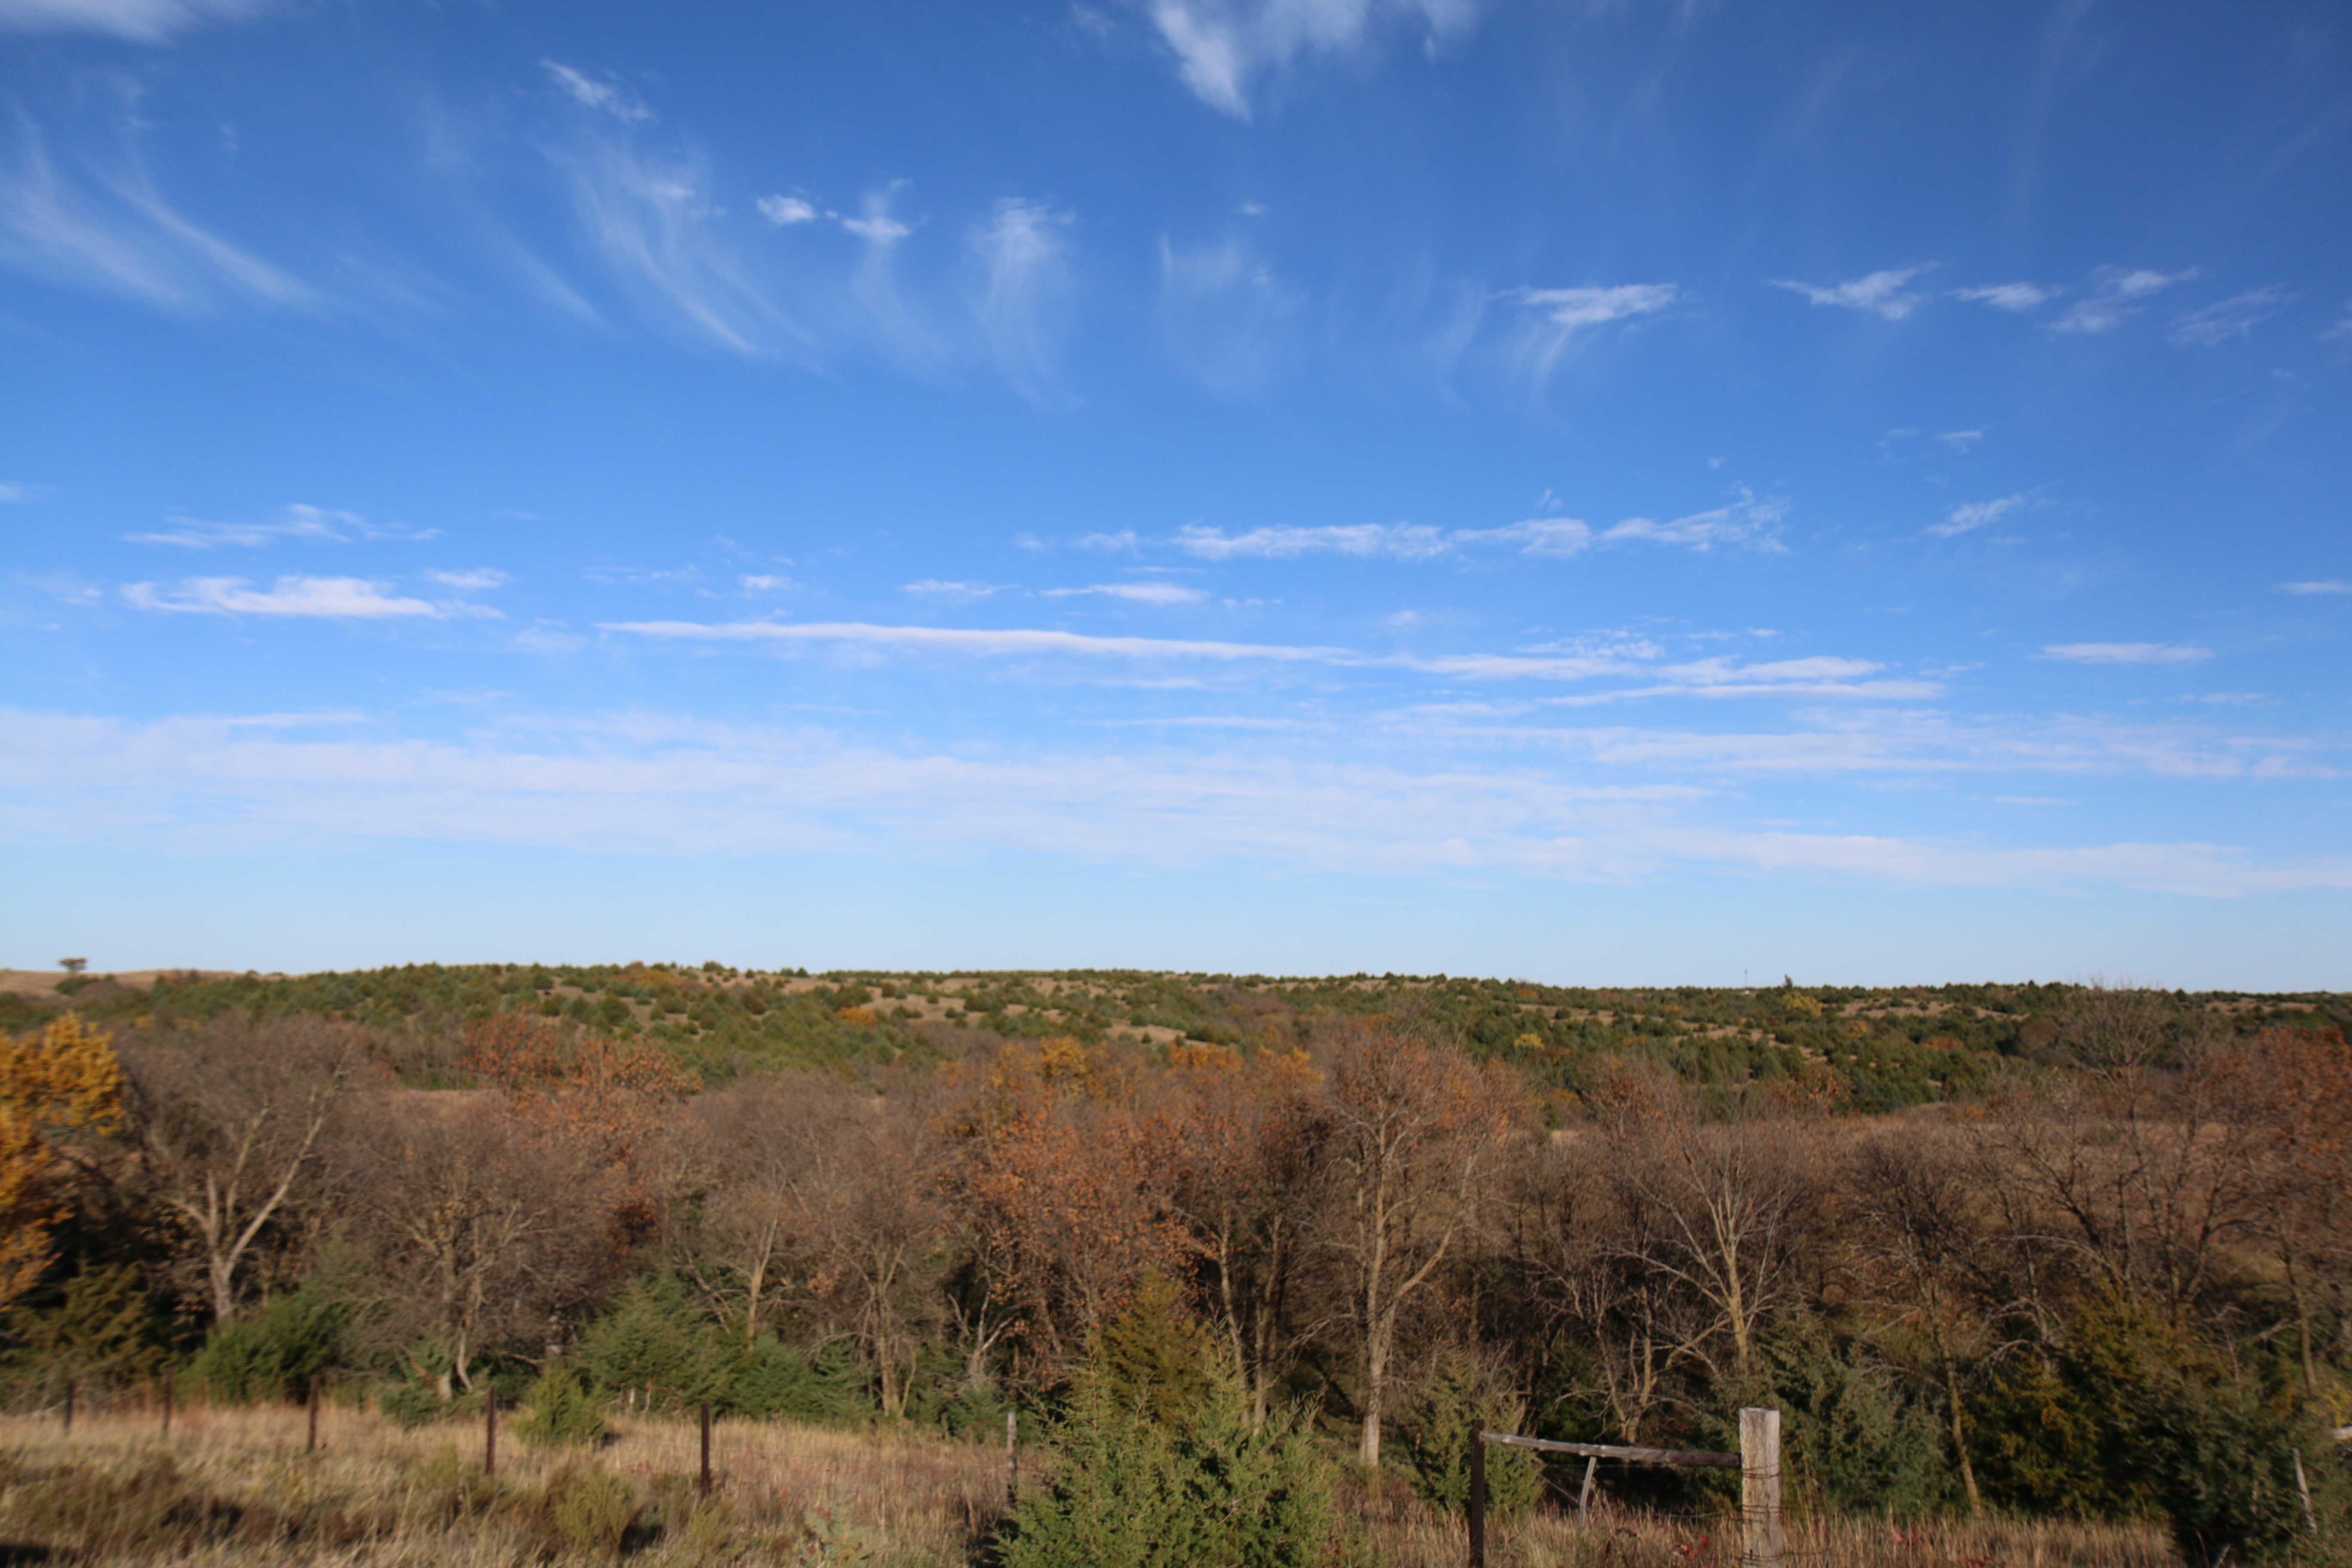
1609, 1451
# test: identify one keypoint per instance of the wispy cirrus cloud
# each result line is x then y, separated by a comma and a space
308, 598
2117, 295
140, 21
1393, 541
647, 216
1221, 46
2328, 586
1551, 320
2235, 317
680, 785
104, 225
1885, 294
475, 581
1969, 516
784, 211
2015, 297
1227, 319
984, 643
2127, 653
608, 96
300, 521
1023, 280
1135, 592
1750, 520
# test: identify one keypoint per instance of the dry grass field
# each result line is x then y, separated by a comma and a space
237, 1487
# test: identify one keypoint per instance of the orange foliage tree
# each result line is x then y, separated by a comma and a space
1064, 1185
62, 1078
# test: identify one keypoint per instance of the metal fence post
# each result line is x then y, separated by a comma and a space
1762, 1542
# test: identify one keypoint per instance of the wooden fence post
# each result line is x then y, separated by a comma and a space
1477, 1495
490, 1434
167, 1407
1584, 1497
311, 1445
1011, 1458
1762, 1543
706, 1448
69, 1396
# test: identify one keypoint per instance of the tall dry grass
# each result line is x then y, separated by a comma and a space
236, 1486
1415, 1537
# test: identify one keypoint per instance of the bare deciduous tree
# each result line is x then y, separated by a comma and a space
228, 1121
1413, 1134
478, 1232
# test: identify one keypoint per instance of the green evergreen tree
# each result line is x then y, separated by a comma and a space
563, 1412
274, 1352
1154, 1357
1131, 1492
653, 1339
1437, 1432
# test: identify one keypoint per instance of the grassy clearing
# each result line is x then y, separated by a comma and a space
234, 1487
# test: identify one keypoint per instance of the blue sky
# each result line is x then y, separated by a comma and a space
1610, 492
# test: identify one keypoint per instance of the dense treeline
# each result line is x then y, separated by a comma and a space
2043, 1249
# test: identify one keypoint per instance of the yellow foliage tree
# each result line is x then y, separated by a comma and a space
58, 1079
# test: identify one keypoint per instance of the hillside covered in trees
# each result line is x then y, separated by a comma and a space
2038, 1249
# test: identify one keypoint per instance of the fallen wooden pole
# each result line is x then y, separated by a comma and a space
1610, 1451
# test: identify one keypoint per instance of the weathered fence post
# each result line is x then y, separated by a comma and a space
1011, 1458
490, 1434
1477, 1495
1584, 1496
69, 1396
167, 1407
1762, 1543
706, 1449
311, 1445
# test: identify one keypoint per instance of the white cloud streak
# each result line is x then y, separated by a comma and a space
1969, 516
109, 228
1392, 541
1137, 593
140, 21
1553, 319
312, 598
656, 785
1023, 279
2014, 298
2232, 317
981, 643
2127, 653
1882, 294
606, 97
2330, 586
1221, 45
1750, 520
785, 211
2117, 296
